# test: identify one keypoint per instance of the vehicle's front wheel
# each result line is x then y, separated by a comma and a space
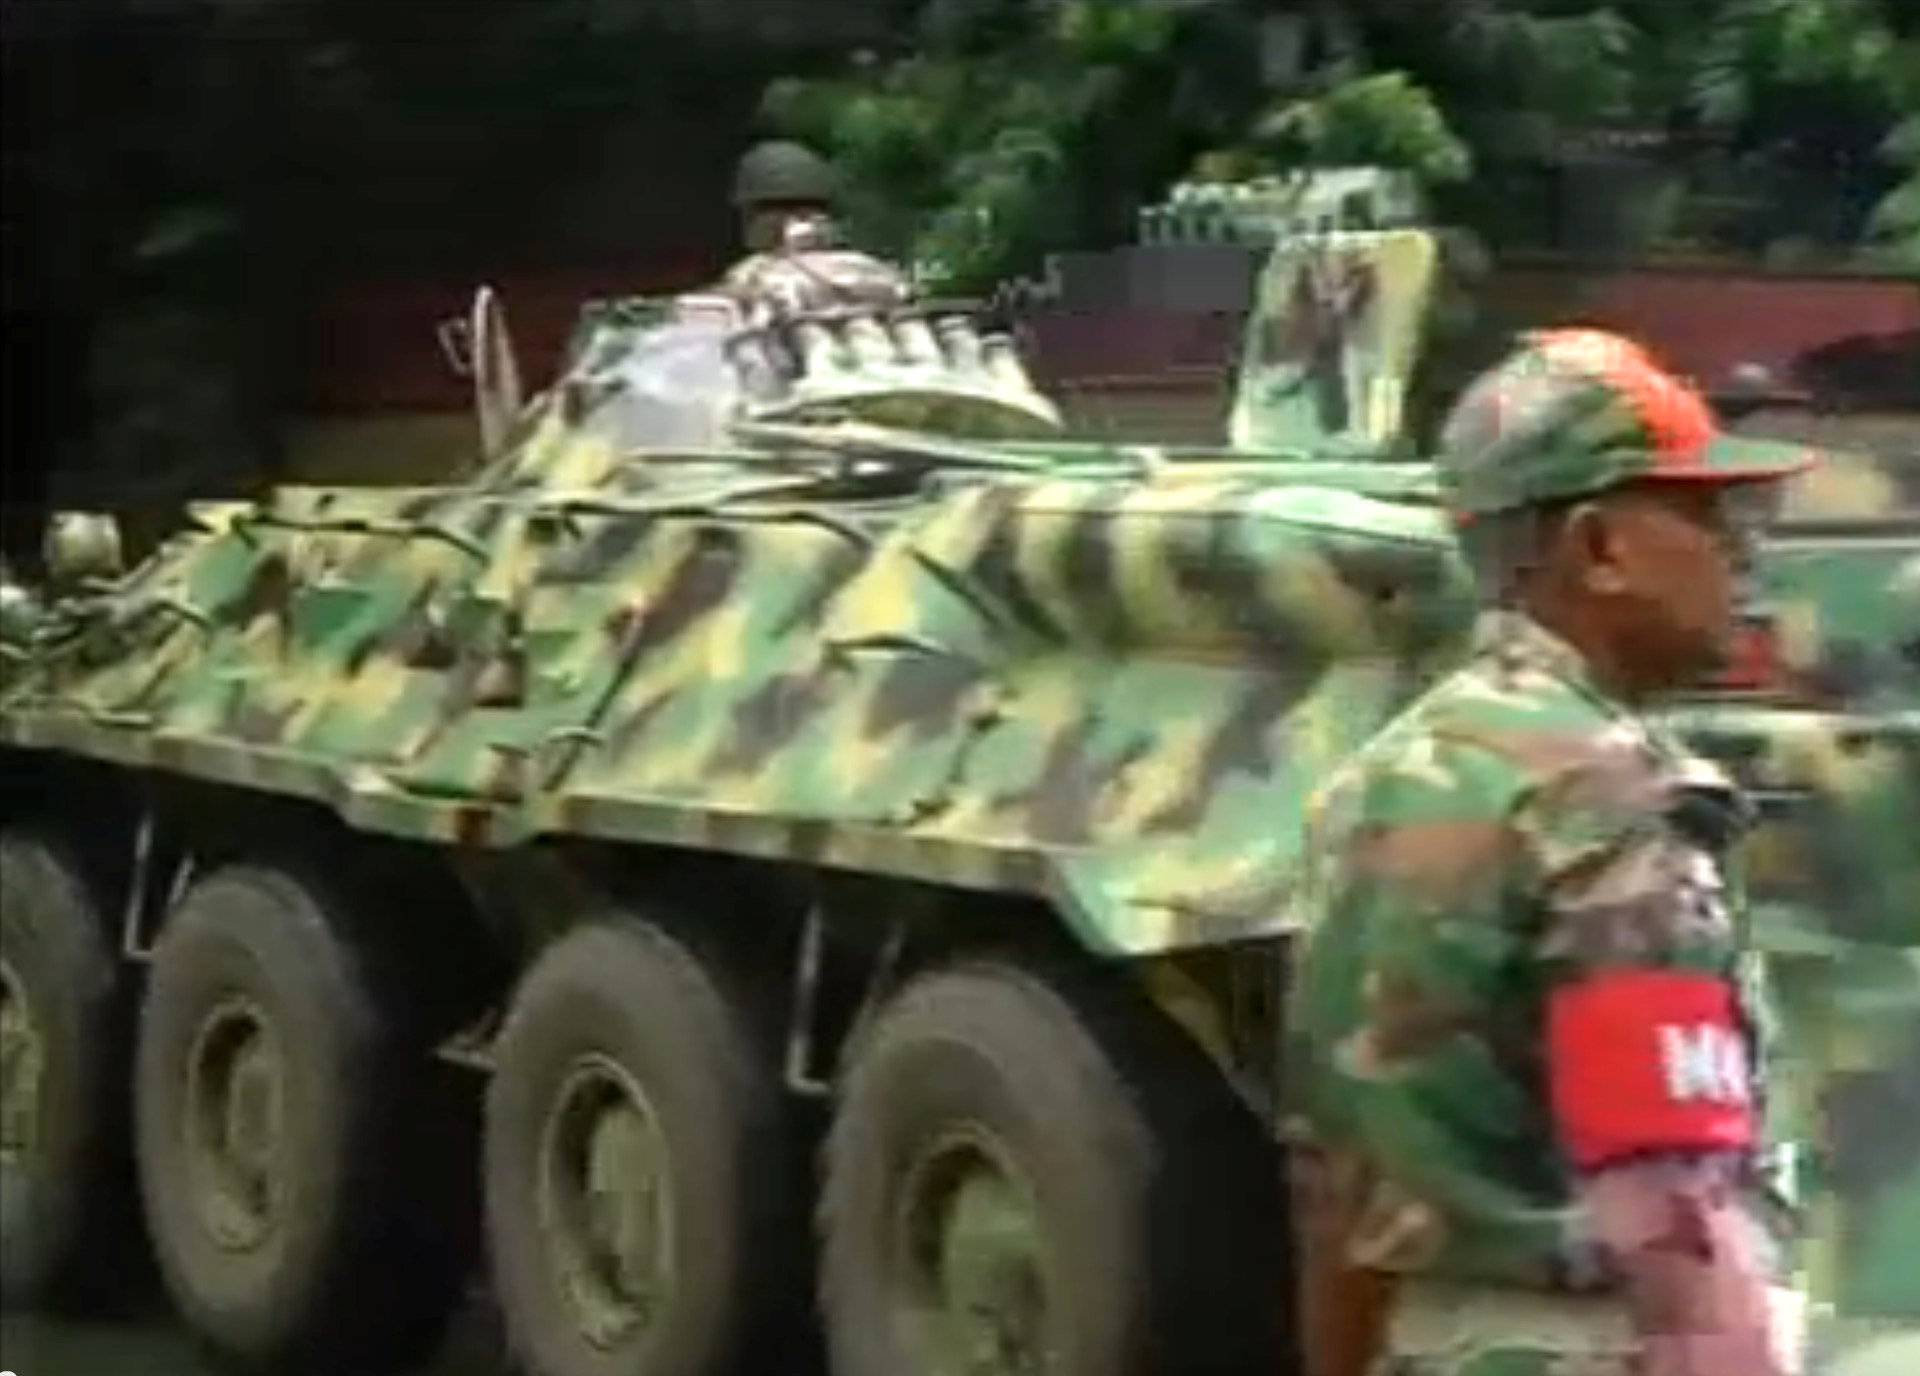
64, 1181
1015, 1188
294, 1142
640, 1213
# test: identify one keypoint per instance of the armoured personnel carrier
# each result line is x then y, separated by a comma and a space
787, 743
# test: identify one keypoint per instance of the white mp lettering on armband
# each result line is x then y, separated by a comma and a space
1703, 1060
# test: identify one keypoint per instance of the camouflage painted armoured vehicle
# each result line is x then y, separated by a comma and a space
786, 728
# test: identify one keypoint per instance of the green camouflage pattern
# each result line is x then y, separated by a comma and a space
1089, 673
972, 689
1836, 882
1514, 831
808, 271
1576, 411
1334, 336
757, 586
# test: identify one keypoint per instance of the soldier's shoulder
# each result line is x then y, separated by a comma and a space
820, 278
1440, 751
851, 258
1476, 743
1501, 708
854, 265
748, 270
1537, 724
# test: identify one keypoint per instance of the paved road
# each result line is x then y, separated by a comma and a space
152, 1344
31, 1346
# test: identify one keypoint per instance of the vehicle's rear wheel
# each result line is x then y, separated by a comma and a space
294, 1141
64, 1177
1019, 1185
640, 1216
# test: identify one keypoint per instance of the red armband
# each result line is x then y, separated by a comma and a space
1648, 1060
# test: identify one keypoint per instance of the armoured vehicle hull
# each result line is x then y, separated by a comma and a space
782, 712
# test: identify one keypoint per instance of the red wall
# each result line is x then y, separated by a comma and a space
373, 349
1707, 324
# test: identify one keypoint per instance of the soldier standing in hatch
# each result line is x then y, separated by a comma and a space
1525, 1047
784, 192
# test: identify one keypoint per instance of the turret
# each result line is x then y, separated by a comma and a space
696, 372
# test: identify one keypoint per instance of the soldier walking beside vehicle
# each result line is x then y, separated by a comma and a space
1525, 1037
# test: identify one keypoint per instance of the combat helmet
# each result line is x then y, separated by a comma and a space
780, 170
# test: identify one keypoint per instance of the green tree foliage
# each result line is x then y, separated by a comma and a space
1009, 127
1896, 221
1818, 88
993, 136
1384, 118
183, 176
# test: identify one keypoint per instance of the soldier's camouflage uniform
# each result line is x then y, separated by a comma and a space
807, 274
1518, 834
1515, 829
786, 190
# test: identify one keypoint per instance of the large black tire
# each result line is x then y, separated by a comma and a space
65, 1184
298, 1150
1029, 1175
622, 1040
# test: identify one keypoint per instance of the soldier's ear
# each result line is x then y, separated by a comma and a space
1593, 538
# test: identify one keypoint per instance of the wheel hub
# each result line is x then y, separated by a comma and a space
236, 1079
604, 1202
971, 1242
22, 1069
